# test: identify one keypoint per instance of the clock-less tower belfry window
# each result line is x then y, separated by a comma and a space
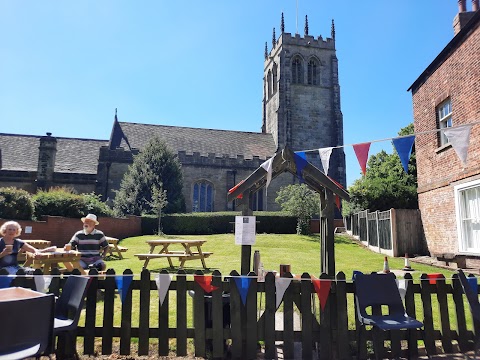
301, 96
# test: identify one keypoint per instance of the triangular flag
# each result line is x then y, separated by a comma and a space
472, 281
337, 202
281, 285
361, 150
325, 157
6, 280
205, 281
42, 282
267, 165
434, 277
123, 284
300, 163
355, 272
243, 284
404, 146
322, 288
163, 283
459, 137
402, 287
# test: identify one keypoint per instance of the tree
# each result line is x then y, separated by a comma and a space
386, 185
155, 169
301, 202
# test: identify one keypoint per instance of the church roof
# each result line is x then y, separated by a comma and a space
20, 153
190, 140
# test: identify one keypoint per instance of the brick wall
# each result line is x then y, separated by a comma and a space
59, 230
438, 169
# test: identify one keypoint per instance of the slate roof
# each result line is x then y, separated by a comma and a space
20, 153
204, 141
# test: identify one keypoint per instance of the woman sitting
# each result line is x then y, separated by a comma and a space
10, 246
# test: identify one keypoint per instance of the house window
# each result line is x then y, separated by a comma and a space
297, 71
467, 203
202, 197
444, 114
312, 72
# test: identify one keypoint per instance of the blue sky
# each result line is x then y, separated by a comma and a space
66, 65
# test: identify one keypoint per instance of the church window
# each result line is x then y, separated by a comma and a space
202, 197
274, 80
297, 71
312, 72
257, 203
269, 84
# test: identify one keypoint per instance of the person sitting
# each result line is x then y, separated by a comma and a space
91, 243
10, 246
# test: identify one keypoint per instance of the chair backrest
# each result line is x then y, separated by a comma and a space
471, 296
375, 290
26, 322
69, 304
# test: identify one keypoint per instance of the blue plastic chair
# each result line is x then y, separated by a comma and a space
472, 298
373, 291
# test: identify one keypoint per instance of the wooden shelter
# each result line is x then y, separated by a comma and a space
287, 161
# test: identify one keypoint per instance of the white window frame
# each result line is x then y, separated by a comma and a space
459, 212
444, 113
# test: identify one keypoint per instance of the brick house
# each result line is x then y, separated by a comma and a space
446, 94
301, 97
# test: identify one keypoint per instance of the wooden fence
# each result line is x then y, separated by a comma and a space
332, 332
394, 232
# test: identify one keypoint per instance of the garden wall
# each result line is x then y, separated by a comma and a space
59, 230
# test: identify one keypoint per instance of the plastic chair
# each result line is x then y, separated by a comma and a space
27, 327
474, 307
375, 290
68, 308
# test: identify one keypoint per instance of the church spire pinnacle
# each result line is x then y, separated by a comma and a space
333, 30
266, 50
306, 25
274, 38
282, 25
116, 119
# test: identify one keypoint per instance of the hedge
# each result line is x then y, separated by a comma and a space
217, 223
15, 204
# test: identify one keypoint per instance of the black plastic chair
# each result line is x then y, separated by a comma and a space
474, 307
373, 291
27, 327
68, 308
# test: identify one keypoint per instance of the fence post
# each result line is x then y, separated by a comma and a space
393, 233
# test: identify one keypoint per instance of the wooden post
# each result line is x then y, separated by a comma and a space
246, 249
327, 256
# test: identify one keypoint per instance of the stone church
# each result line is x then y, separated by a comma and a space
301, 110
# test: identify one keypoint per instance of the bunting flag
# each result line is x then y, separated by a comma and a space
163, 283
472, 281
322, 288
402, 287
459, 137
267, 165
6, 280
404, 146
300, 162
338, 202
361, 151
355, 272
325, 158
434, 277
205, 281
243, 284
281, 285
123, 284
42, 282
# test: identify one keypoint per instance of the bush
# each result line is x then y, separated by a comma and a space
217, 223
64, 202
15, 204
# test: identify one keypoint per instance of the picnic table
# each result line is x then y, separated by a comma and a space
113, 247
48, 260
37, 244
183, 255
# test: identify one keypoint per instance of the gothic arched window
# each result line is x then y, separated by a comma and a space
202, 196
274, 79
313, 72
269, 84
297, 71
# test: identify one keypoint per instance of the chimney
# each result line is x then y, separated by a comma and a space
462, 6
475, 5
47, 152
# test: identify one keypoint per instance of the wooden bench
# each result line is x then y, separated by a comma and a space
181, 255
113, 247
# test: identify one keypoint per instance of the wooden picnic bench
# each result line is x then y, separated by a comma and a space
114, 247
37, 244
182, 255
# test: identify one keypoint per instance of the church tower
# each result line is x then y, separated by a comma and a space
301, 96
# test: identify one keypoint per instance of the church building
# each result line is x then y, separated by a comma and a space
301, 110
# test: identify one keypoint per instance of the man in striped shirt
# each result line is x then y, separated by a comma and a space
91, 243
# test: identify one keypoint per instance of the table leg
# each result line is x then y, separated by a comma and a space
165, 251
199, 247
118, 251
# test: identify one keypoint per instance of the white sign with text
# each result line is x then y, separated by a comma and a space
245, 230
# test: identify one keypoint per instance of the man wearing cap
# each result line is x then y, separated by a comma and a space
91, 243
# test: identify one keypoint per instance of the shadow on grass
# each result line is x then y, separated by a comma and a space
189, 271
339, 239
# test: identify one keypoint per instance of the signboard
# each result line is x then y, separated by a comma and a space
28, 229
245, 230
